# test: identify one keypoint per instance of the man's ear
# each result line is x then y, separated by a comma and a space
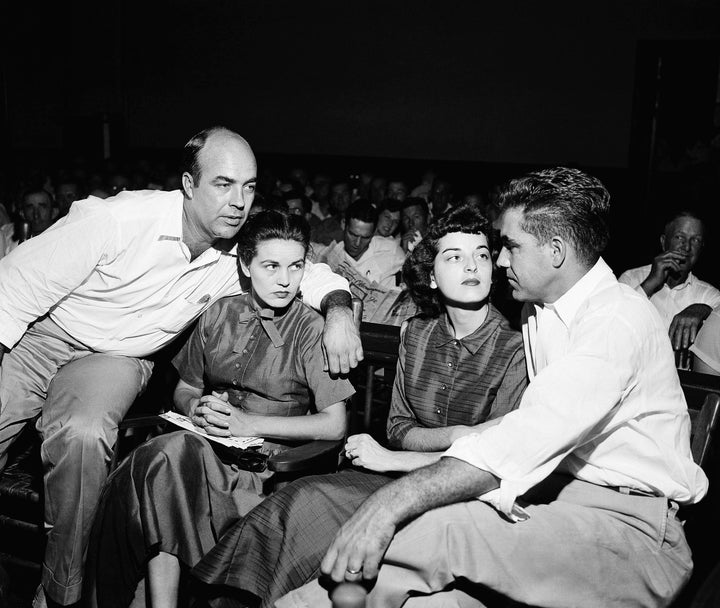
187, 185
245, 269
559, 251
662, 243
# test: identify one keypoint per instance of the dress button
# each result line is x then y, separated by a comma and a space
449, 364
234, 382
237, 365
438, 411
245, 351
443, 386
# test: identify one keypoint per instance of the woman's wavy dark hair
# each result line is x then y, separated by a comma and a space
419, 264
268, 225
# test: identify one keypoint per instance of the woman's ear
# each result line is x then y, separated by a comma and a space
433, 284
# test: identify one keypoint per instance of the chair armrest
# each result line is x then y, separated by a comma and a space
141, 422
306, 456
704, 423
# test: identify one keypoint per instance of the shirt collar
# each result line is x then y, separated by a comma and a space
443, 333
687, 283
171, 231
569, 303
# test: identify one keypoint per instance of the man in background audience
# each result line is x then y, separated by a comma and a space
423, 189
414, 219
321, 196
372, 258
441, 197
299, 204
331, 228
67, 192
37, 214
388, 219
397, 190
378, 188
683, 300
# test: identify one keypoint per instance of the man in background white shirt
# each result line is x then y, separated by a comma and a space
361, 253
683, 300
83, 305
37, 211
571, 499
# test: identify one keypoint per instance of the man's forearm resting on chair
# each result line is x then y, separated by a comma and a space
341, 339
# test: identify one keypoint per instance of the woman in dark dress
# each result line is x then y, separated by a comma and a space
460, 369
253, 366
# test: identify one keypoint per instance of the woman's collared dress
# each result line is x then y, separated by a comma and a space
173, 494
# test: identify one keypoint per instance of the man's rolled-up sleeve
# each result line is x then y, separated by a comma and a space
318, 281
560, 409
40, 272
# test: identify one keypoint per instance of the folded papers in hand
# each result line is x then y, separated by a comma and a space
231, 442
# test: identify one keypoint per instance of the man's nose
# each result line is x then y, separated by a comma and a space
240, 197
502, 259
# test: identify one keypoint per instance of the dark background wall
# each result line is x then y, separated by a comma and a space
488, 89
521, 82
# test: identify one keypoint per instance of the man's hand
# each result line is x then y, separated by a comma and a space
664, 264
409, 239
341, 339
685, 325
361, 543
365, 452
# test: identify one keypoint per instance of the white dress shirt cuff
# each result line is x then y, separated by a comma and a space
10, 330
502, 498
318, 282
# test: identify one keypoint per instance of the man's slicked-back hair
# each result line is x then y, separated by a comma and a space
191, 151
565, 202
363, 210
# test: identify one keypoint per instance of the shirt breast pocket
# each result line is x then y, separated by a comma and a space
177, 315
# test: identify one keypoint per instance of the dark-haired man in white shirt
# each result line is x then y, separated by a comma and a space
571, 500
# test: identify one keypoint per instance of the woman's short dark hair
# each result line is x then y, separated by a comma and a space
419, 264
267, 225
